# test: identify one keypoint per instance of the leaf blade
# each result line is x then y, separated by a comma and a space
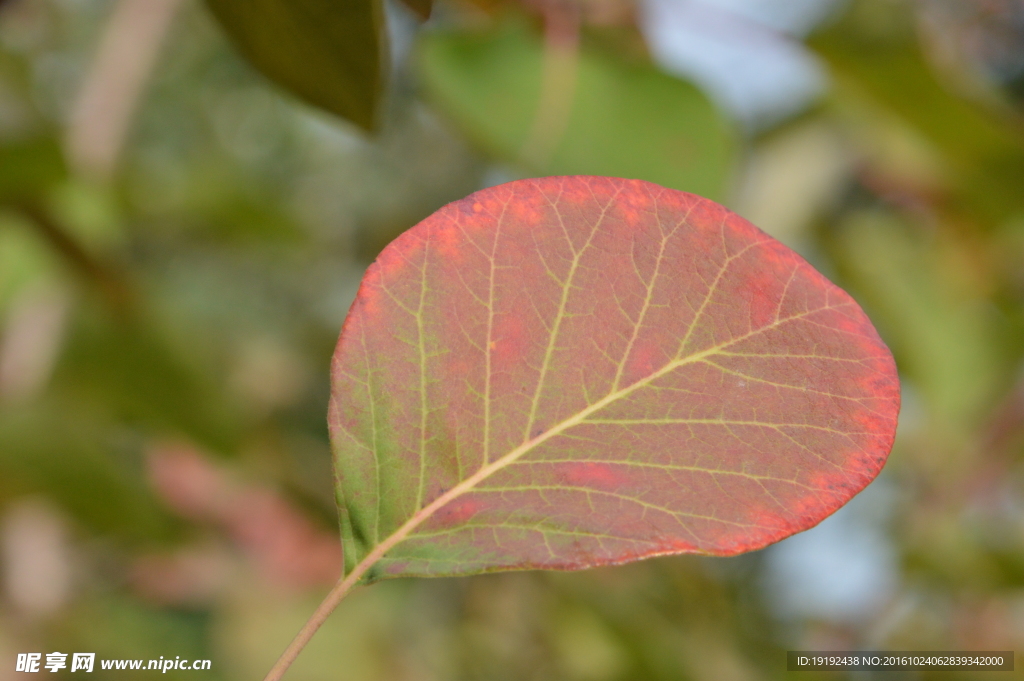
566, 378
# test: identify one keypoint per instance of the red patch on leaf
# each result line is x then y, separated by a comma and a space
675, 545
457, 511
511, 336
589, 474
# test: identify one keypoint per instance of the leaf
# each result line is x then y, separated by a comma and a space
52, 448
128, 369
329, 53
579, 371
626, 119
986, 154
895, 72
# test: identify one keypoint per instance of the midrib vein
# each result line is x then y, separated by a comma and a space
424, 513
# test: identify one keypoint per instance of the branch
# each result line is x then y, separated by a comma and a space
108, 280
558, 82
109, 96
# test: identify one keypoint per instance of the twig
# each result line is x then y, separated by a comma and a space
109, 96
558, 82
108, 280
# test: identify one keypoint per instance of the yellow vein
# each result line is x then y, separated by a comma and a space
790, 355
720, 422
423, 375
647, 298
858, 399
669, 467
490, 336
532, 528
785, 290
373, 431
713, 288
623, 497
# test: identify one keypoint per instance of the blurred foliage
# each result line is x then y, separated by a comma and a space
422, 8
188, 300
628, 119
329, 53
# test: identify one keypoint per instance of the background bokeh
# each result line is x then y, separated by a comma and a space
180, 240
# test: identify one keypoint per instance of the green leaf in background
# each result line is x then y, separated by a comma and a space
71, 456
627, 119
330, 54
985, 154
119, 627
127, 369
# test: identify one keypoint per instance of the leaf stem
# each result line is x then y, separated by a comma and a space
311, 626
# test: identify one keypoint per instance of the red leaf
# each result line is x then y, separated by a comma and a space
579, 371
